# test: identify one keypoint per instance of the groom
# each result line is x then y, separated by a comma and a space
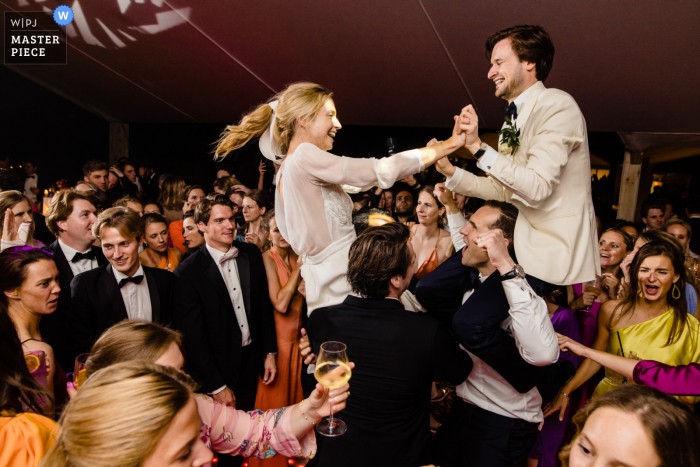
545, 172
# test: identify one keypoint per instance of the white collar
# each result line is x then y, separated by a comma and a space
69, 252
216, 254
521, 98
119, 275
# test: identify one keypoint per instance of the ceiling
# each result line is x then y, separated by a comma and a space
632, 65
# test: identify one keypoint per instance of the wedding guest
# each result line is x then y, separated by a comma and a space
630, 228
542, 164
26, 434
85, 186
95, 171
134, 340
31, 183
70, 217
658, 431
191, 234
115, 190
404, 211
299, 125
495, 419
29, 286
15, 212
149, 179
544, 454
128, 178
225, 171
692, 209
152, 207
653, 214
227, 312
652, 321
283, 269
171, 198
682, 231
682, 380
236, 198
130, 202
255, 205
431, 243
388, 414
122, 289
157, 254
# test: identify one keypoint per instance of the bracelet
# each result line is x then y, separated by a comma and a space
565, 394
301, 407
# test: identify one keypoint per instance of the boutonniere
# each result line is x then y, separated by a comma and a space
510, 135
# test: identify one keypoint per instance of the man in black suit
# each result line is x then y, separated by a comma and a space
149, 180
692, 209
397, 353
227, 314
122, 289
70, 218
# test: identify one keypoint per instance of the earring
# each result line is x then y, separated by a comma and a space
675, 290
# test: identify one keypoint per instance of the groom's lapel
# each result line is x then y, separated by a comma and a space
528, 106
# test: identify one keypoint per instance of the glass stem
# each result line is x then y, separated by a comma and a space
330, 420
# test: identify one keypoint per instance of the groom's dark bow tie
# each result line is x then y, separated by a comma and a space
134, 279
511, 111
79, 256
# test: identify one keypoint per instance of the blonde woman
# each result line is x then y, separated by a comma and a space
171, 198
313, 211
286, 430
16, 220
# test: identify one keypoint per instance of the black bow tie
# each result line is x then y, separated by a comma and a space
80, 256
511, 111
134, 279
475, 278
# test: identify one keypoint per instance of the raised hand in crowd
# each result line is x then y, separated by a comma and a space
582, 301
305, 348
496, 246
611, 283
445, 197
242, 188
116, 170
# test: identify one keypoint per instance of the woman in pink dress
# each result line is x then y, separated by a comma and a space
313, 211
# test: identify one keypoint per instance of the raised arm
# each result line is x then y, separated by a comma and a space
281, 296
455, 219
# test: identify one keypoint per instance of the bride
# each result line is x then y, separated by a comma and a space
313, 211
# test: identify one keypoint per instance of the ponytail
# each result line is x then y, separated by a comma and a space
253, 125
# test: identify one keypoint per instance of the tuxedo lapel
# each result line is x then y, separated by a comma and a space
111, 289
214, 277
64, 270
243, 263
99, 255
153, 294
528, 106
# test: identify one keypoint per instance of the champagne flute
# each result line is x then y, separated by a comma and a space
332, 371
80, 370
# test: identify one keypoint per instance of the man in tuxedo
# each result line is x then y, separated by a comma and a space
149, 180
494, 422
95, 171
653, 214
70, 218
397, 353
230, 337
122, 289
547, 173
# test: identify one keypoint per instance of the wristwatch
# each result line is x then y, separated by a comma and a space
481, 151
517, 271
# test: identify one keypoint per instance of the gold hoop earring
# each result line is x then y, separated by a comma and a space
673, 292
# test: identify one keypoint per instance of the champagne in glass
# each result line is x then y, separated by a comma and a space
80, 370
332, 371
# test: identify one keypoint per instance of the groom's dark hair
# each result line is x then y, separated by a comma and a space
530, 43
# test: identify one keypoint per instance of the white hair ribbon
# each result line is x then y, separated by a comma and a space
268, 146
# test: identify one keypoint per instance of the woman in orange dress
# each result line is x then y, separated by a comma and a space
157, 254
431, 243
283, 269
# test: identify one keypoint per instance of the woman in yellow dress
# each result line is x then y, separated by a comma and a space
652, 322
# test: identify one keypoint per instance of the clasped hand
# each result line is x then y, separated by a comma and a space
496, 246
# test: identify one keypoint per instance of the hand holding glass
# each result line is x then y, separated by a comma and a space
80, 370
332, 371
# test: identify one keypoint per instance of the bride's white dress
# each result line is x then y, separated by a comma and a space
314, 213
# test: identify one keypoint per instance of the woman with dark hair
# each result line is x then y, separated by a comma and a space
157, 254
25, 433
255, 204
29, 286
432, 244
171, 198
152, 207
191, 234
634, 426
652, 323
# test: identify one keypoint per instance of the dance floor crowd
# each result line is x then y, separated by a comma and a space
352, 312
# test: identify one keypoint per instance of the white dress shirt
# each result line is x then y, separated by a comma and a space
534, 335
79, 266
486, 161
229, 271
137, 298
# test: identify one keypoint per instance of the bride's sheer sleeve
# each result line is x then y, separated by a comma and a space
326, 168
251, 434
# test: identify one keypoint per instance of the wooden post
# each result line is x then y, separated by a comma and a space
629, 186
118, 142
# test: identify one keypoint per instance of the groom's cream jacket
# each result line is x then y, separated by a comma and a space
549, 180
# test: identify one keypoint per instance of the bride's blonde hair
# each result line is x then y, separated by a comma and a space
299, 101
